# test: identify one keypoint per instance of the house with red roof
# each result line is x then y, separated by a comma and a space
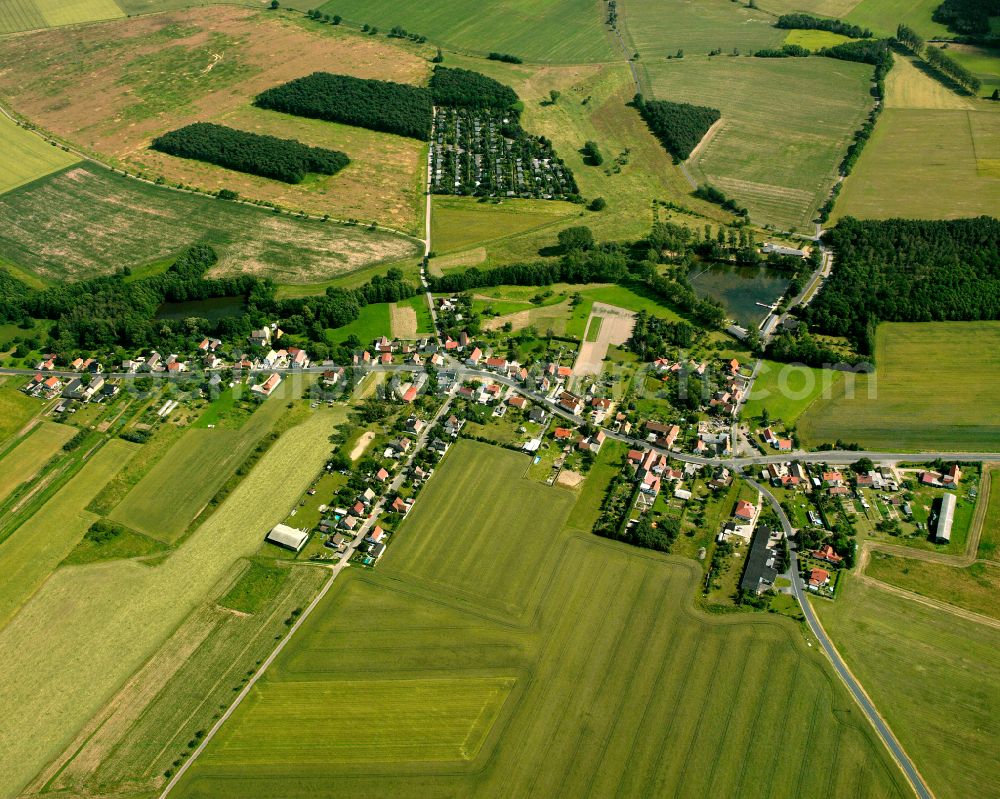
268, 386
517, 402
562, 433
827, 553
475, 356
745, 510
818, 578
382, 475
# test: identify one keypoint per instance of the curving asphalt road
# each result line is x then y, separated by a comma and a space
853, 686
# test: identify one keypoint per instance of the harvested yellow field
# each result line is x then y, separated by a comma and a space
31, 454
908, 86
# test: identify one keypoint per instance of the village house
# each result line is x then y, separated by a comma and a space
745, 510
827, 553
818, 578
759, 573
474, 357
268, 386
570, 402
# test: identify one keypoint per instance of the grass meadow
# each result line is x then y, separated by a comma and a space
900, 651
25, 157
774, 152
930, 164
16, 409
134, 608
658, 28
30, 454
931, 390
971, 587
982, 62
35, 548
546, 31
787, 391
106, 221
989, 542
883, 16
531, 628
458, 223
373, 321
175, 490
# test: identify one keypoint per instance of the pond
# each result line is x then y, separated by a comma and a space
740, 289
212, 309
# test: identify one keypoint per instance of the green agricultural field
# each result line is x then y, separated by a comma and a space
172, 494
909, 86
548, 31
25, 157
786, 391
32, 453
256, 588
927, 164
815, 40
109, 220
774, 152
35, 548
972, 587
125, 544
134, 608
883, 16
659, 28
989, 542
25, 15
518, 635
374, 320
899, 407
459, 223
898, 649
15, 409
823, 8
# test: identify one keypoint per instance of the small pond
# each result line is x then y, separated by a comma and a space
740, 289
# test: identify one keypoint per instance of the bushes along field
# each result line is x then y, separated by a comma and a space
374, 104
267, 156
679, 126
808, 22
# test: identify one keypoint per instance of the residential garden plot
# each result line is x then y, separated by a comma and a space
897, 649
171, 494
35, 548
121, 84
686, 722
937, 163
32, 453
25, 157
660, 28
548, 31
106, 221
973, 587
773, 153
906, 411
132, 609
478, 152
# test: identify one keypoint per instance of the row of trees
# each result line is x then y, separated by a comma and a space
268, 156
708, 192
678, 126
808, 22
366, 103
937, 58
506, 58
908, 270
463, 88
785, 51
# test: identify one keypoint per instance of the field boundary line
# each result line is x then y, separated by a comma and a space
182, 769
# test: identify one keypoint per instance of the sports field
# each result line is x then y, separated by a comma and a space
774, 153
931, 390
547, 31
616, 687
107, 221
121, 84
658, 28
132, 609
936, 164
25, 15
899, 651
31, 454
24, 157
786, 390
35, 548
171, 494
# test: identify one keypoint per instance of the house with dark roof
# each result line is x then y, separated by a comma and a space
759, 573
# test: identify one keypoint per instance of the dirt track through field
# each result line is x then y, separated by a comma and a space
616, 327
